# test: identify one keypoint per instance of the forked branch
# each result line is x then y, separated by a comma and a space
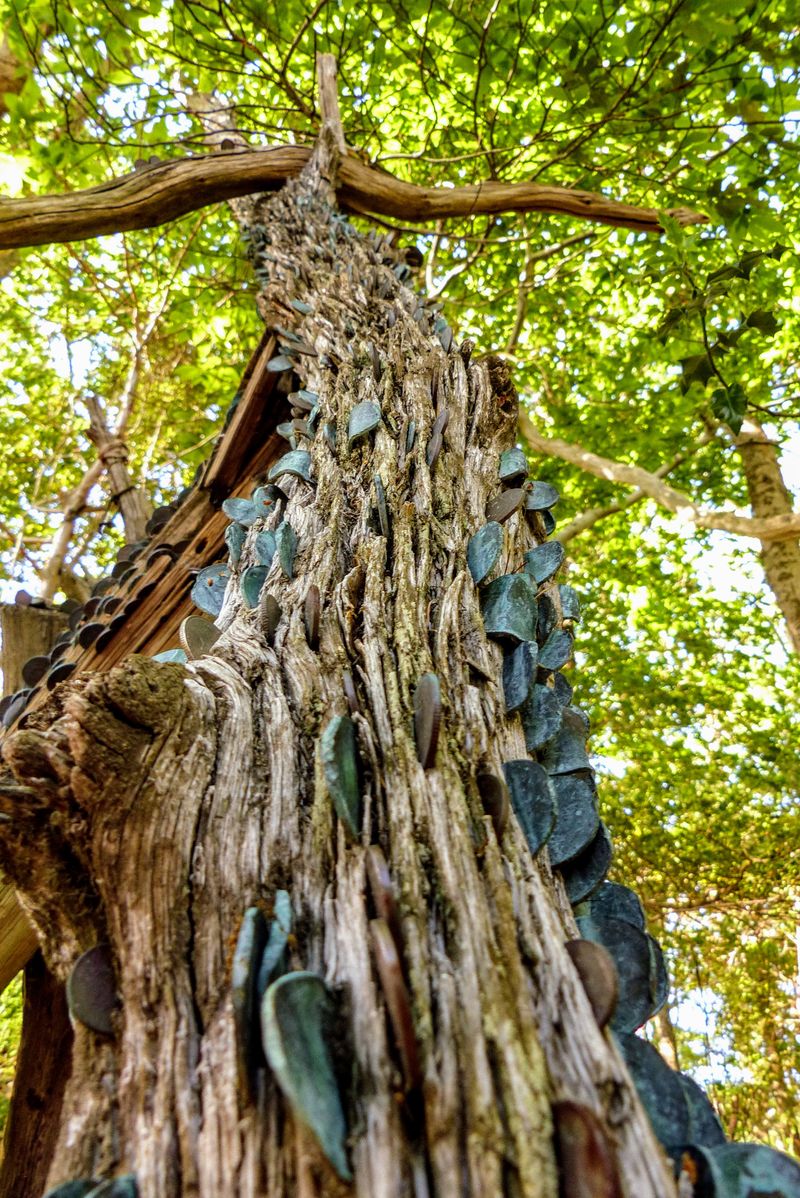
769, 529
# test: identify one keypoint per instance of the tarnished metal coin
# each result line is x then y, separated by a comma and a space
483, 550
209, 588
586, 1164
433, 449
382, 891
91, 990
585, 873
364, 417
251, 584
513, 465
250, 943
270, 615
494, 797
341, 766
598, 973
393, 984
427, 718
311, 615
350, 692
197, 636
34, 670
505, 504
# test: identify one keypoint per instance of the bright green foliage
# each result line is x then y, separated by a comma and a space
10, 1028
647, 350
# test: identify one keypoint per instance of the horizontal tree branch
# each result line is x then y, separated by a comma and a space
164, 191
772, 528
586, 520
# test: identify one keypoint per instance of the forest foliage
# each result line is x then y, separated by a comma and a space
649, 350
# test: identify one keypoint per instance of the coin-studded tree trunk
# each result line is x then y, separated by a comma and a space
158, 801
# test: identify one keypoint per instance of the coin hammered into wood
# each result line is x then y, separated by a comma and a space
235, 535
250, 943
586, 872
297, 462
483, 550
532, 801
598, 973
508, 606
273, 958
364, 419
197, 636
398, 1004
495, 800
209, 588
513, 465
270, 615
503, 506
295, 1016
251, 583
286, 547
92, 992
341, 766
577, 819
427, 718
311, 615
586, 1164
543, 561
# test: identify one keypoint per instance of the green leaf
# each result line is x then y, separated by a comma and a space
764, 321
729, 405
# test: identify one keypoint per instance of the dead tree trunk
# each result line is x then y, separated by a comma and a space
157, 802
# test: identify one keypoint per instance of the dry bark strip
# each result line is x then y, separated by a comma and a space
165, 799
164, 191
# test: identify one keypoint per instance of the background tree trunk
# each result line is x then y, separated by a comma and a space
769, 496
160, 801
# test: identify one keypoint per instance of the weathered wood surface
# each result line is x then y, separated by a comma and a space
17, 938
25, 632
165, 800
164, 191
39, 1081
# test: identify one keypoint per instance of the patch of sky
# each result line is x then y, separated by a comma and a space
697, 1014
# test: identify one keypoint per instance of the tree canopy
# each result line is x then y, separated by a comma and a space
663, 352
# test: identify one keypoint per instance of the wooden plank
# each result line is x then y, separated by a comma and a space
17, 938
159, 598
40, 1077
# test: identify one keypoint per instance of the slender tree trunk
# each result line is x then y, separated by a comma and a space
167, 799
769, 496
113, 453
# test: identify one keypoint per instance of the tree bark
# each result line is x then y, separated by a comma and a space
113, 454
769, 497
159, 801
